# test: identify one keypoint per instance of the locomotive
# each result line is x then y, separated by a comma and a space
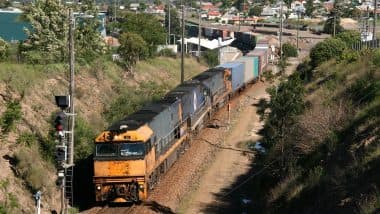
132, 154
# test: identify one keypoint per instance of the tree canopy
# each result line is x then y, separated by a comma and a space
326, 50
50, 26
132, 48
148, 27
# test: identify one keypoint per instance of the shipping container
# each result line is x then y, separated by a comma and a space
263, 58
237, 74
248, 68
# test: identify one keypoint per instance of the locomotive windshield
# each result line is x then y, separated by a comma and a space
106, 150
132, 150
135, 150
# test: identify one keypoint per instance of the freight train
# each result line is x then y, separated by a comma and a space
132, 154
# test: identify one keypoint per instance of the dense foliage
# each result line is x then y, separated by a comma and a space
148, 27
132, 48
255, 10
289, 50
4, 49
49, 20
326, 50
88, 41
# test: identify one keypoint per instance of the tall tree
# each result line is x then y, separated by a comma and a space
255, 10
50, 27
309, 8
89, 42
286, 102
175, 25
132, 49
148, 27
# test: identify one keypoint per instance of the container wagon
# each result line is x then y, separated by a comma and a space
262, 55
237, 74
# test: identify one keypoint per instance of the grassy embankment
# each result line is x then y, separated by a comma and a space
333, 149
104, 93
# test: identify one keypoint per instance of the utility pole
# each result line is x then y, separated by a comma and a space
334, 25
280, 30
71, 88
199, 30
169, 19
374, 21
115, 10
298, 27
183, 44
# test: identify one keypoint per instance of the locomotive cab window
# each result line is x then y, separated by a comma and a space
106, 150
132, 150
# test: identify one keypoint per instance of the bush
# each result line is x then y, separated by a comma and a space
289, 50
29, 167
211, 57
349, 37
4, 49
376, 58
324, 51
11, 115
84, 136
167, 52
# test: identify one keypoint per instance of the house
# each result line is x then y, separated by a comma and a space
268, 11
134, 6
207, 6
160, 9
328, 5
297, 5
211, 15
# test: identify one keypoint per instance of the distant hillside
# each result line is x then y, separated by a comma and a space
104, 93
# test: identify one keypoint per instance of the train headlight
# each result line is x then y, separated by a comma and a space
141, 187
98, 187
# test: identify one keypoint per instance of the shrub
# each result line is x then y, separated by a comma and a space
11, 115
349, 37
376, 58
4, 49
211, 57
29, 167
84, 136
323, 51
167, 52
289, 50
27, 139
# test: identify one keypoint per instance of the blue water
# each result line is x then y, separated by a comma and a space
11, 28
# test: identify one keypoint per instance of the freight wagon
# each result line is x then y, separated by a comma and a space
132, 154
262, 55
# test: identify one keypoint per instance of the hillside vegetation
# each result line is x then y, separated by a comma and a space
324, 157
104, 91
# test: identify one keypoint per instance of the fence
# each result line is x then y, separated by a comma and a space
366, 45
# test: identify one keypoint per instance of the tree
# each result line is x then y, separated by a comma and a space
332, 24
309, 8
148, 27
142, 6
89, 42
4, 49
286, 102
50, 28
239, 4
326, 50
289, 50
175, 25
255, 11
132, 49
157, 2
